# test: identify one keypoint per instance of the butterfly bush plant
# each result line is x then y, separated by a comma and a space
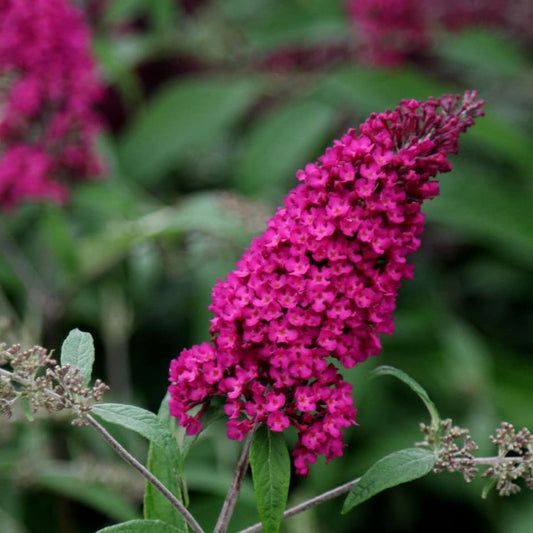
309, 298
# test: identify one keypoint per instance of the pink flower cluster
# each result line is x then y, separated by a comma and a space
389, 31
319, 286
48, 86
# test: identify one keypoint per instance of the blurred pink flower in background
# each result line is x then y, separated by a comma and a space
318, 287
390, 31
48, 88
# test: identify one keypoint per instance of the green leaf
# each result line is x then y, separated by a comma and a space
279, 24
78, 351
165, 463
164, 458
367, 90
26, 408
469, 359
271, 472
499, 137
183, 116
135, 418
385, 370
214, 413
482, 51
489, 485
394, 469
198, 212
10, 524
140, 526
495, 215
57, 232
119, 10
163, 15
279, 144
95, 495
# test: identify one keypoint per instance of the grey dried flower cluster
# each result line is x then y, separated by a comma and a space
517, 448
453, 446
33, 377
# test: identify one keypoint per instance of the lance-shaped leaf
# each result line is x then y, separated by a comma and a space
271, 472
135, 418
94, 494
164, 460
394, 469
165, 463
181, 117
386, 370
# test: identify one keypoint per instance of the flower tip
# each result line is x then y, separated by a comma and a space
473, 104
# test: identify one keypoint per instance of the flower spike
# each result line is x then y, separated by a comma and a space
316, 290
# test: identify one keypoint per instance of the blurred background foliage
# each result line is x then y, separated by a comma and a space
210, 108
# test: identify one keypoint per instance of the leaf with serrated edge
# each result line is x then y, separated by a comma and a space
394, 469
78, 351
271, 472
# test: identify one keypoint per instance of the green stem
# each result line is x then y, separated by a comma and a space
308, 504
189, 518
87, 418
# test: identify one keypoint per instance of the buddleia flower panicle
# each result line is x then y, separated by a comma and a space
319, 286
48, 88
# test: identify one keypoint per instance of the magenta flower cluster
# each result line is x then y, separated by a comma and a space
48, 87
316, 290
389, 31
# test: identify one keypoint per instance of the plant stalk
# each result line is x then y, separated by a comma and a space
233, 493
342, 489
308, 504
189, 518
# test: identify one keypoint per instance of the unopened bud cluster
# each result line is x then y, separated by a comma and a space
454, 448
518, 447
33, 376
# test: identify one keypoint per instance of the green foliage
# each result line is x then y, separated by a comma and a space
185, 115
9, 524
121, 9
385, 370
496, 217
233, 96
271, 471
279, 144
165, 462
365, 90
135, 418
78, 351
95, 495
164, 457
140, 526
394, 469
